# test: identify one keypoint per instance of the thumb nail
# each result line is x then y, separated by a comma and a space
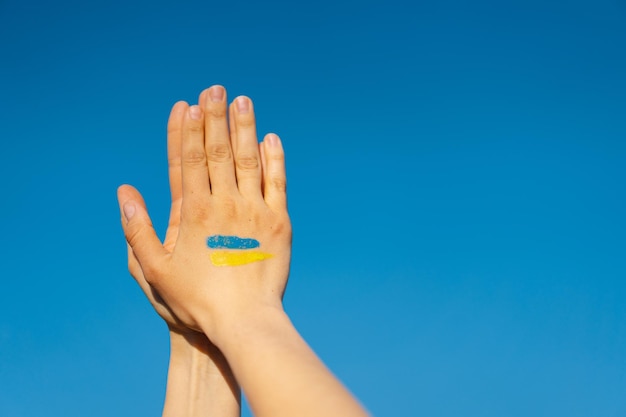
129, 210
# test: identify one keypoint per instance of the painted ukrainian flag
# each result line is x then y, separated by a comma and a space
239, 250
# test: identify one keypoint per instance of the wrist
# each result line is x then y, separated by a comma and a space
242, 324
185, 346
200, 382
193, 351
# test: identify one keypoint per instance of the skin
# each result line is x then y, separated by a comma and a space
232, 185
200, 382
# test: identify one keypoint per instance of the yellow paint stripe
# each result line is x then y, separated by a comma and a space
227, 258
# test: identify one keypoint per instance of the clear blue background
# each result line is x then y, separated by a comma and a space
474, 151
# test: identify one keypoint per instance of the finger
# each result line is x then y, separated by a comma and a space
171, 234
195, 175
247, 158
232, 128
153, 297
138, 230
174, 148
217, 142
133, 264
174, 151
202, 97
136, 272
263, 165
274, 175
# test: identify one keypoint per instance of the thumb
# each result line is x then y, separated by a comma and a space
139, 231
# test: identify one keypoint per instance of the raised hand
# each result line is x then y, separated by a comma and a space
200, 381
174, 147
228, 267
228, 252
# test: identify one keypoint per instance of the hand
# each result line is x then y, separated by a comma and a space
232, 192
200, 381
174, 146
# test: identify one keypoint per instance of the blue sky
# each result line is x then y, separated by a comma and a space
475, 152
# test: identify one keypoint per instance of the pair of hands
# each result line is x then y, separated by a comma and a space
223, 182
223, 267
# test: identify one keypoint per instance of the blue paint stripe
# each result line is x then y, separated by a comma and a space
231, 242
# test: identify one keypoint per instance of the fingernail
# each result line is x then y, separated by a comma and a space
243, 105
129, 210
195, 113
272, 139
216, 93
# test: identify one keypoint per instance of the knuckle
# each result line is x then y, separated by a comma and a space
150, 274
173, 162
194, 157
216, 112
133, 236
194, 128
144, 266
281, 228
198, 213
228, 207
219, 153
245, 120
247, 162
278, 183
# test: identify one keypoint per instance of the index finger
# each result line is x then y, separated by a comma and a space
174, 149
